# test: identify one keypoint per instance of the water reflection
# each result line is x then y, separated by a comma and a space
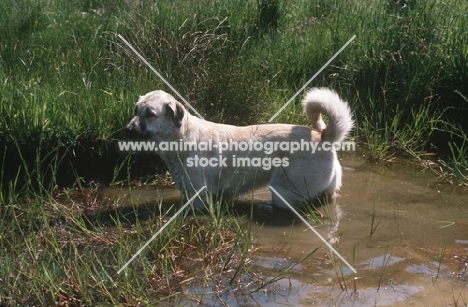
396, 266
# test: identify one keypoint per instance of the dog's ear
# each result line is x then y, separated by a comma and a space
176, 114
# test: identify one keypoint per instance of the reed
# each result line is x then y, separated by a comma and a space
374, 223
440, 260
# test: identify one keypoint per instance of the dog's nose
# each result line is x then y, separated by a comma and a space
133, 127
131, 131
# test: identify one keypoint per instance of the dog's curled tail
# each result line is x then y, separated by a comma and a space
326, 101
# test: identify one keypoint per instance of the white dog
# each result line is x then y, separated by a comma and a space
231, 160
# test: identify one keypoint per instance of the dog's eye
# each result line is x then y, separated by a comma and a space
150, 113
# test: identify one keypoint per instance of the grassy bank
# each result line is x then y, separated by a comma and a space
68, 83
68, 86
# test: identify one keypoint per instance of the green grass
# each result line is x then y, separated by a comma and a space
68, 81
67, 251
68, 86
456, 165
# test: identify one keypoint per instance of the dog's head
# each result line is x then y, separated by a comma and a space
157, 114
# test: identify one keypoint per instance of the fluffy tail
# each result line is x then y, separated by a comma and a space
326, 101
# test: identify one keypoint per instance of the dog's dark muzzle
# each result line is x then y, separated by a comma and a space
136, 129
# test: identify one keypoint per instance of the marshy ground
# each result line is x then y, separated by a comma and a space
73, 209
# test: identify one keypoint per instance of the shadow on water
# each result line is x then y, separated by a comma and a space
131, 204
143, 202
402, 263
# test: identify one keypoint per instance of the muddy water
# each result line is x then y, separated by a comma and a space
398, 265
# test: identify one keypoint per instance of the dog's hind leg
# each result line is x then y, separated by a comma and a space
335, 183
298, 187
287, 188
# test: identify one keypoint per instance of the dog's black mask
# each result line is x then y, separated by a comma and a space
137, 128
